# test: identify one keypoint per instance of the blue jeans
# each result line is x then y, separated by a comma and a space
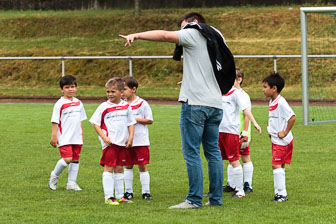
199, 124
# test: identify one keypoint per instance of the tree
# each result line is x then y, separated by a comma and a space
137, 7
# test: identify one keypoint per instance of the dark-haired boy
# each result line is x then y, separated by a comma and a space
67, 133
280, 122
139, 153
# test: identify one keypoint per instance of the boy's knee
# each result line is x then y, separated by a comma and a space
142, 168
68, 160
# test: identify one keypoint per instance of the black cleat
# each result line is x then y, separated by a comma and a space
247, 188
228, 188
147, 196
128, 196
280, 198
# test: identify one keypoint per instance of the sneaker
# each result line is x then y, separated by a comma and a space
247, 188
128, 196
238, 194
183, 205
206, 195
280, 198
147, 196
73, 187
228, 188
111, 201
53, 182
124, 200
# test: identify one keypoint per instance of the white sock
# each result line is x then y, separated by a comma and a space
72, 173
128, 178
229, 175
248, 173
60, 166
237, 178
279, 181
108, 184
145, 179
119, 185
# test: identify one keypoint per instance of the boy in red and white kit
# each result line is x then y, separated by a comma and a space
114, 123
139, 153
280, 122
229, 129
67, 133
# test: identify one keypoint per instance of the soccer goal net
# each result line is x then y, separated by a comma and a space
318, 52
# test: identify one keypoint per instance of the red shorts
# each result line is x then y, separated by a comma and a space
282, 153
72, 151
245, 151
114, 155
229, 146
138, 155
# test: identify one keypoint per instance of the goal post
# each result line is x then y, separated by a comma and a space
318, 61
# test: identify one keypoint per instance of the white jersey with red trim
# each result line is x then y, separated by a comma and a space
68, 114
141, 109
114, 120
232, 104
279, 114
247, 100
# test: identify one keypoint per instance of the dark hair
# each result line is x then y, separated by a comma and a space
191, 17
275, 79
240, 74
131, 82
67, 80
117, 82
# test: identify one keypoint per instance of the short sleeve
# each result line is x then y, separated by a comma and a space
147, 111
55, 118
242, 104
286, 111
130, 117
96, 117
187, 37
83, 114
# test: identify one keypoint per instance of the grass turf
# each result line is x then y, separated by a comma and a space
27, 160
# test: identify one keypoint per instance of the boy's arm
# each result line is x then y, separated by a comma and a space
129, 141
290, 123
54, 129
246, 123
99, 131
248, 113
143, 121
154, 35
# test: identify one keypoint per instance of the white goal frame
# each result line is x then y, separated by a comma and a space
304, 58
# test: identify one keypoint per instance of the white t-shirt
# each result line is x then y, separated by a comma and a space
279, 114
232, 104
141, 109
68, 114
114, 120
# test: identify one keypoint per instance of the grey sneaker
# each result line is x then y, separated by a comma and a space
183, 205
73, 187
53, 182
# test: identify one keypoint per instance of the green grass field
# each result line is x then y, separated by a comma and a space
27, 160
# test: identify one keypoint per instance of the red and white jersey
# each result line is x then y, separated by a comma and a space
68, 114
141, 109
279, 114
232, 104
114, 120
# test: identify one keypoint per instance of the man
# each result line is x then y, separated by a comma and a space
201, 111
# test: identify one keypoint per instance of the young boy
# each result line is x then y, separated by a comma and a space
114, 123
244, 140
139, 153
280, 122
67, 133
232, 104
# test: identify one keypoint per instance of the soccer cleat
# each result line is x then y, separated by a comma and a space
128, 196
280, 198
124, 200
247, 188
147, 196
228, 188
183, 205
238, 194
111, 201
53, 182
73, 187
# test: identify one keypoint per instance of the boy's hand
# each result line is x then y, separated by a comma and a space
129, 39
107, 141
258, 128
282, 134
54, 141
129, 143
